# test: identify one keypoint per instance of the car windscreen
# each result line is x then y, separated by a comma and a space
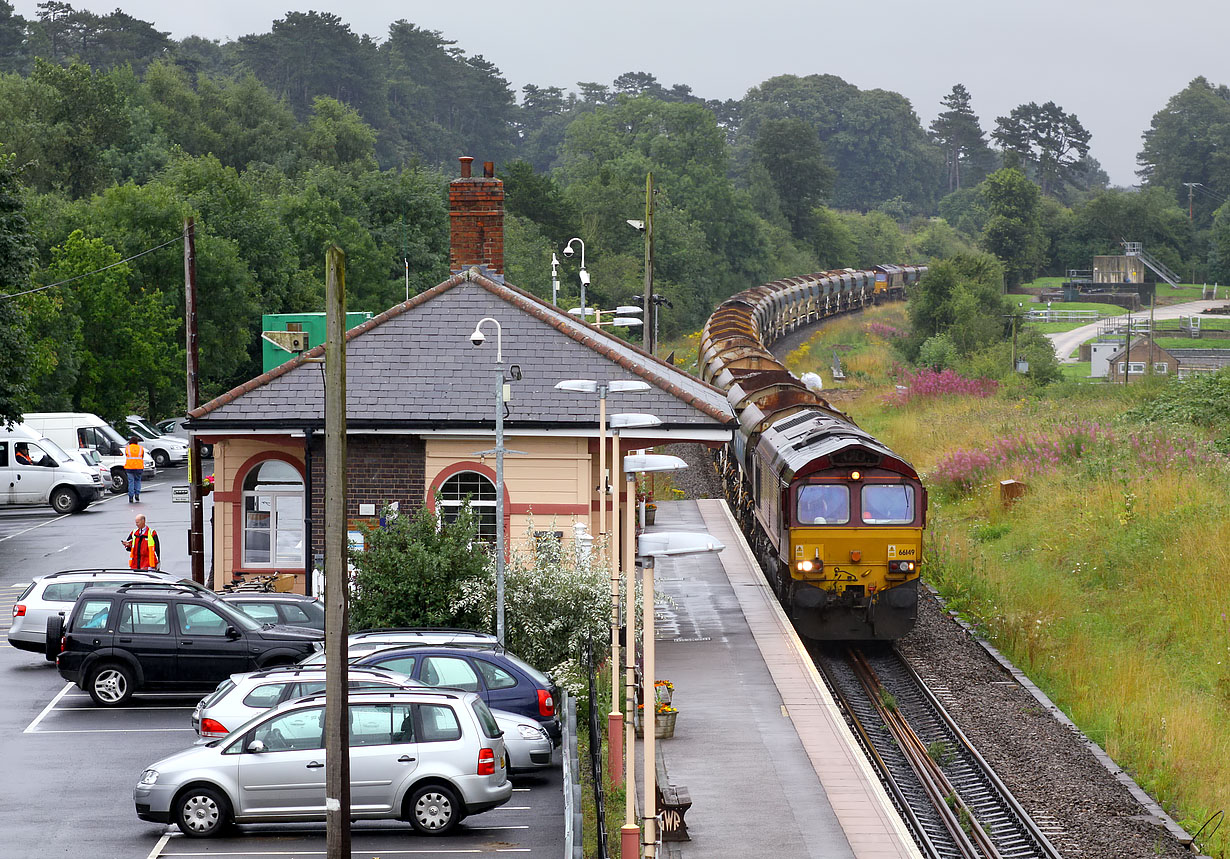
55, 450
111, 435
238, 618
141, 431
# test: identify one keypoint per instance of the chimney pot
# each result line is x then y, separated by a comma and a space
466, 161
489, 169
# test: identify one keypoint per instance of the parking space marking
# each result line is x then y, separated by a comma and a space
50, 706
33, 527
162, 842
117, 709
112, 731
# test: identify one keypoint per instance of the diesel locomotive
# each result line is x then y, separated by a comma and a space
834, 517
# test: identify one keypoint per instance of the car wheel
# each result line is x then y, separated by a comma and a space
434, 809
161, 459
119, 480
55, 630
111, 685
202, 812
64, 500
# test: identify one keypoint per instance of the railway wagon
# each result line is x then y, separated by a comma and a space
834, 517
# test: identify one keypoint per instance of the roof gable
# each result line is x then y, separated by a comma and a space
414, 365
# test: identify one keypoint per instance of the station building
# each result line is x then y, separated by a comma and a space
420, 413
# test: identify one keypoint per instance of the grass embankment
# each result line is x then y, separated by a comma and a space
1107, 583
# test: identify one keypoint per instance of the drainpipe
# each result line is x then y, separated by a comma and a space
308, 568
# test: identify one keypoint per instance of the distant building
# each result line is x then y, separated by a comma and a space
1136, 360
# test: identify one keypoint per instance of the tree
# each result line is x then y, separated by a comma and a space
538, 197
414, 571
1187, 141
16, 262
338, 136
1013, 229
1047, 136
791, 153
959, 300
12, 39
957, 130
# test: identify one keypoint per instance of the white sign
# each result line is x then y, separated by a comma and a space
179, 494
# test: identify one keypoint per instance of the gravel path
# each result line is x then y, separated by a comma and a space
1049, 767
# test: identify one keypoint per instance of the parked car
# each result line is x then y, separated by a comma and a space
175, 427
438, 636
161, 636
94, 462
241, 697
35, 470
504, 681
55, 594
286, 609
429, 757
166, 449
72, 430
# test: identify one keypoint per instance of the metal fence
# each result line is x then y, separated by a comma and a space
595, 752
1063, 316
573, 818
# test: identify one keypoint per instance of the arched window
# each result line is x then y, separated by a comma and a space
480, 491
273, 515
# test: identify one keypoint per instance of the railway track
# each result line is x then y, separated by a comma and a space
954, 804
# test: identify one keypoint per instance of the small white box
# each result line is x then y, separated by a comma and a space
367, 509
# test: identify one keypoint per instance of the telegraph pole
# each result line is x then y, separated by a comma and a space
337, 722
196, 515
651, 336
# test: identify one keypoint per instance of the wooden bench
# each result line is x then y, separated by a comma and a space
673, 803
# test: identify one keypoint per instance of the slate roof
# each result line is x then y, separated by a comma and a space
413, 366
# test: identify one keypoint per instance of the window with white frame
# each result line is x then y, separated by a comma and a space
480, 493
1136, 368
273, 515
1160, 367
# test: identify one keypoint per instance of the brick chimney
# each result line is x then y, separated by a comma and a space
476, 220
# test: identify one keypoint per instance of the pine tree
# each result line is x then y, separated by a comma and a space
958, 131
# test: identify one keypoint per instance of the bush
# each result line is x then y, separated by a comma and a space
413, 571
554, 605
1200, 400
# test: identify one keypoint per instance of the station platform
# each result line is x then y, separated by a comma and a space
759, 743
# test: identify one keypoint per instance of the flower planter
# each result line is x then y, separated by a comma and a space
663, 725
650, 513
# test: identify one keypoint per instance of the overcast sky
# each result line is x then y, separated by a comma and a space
1112, 64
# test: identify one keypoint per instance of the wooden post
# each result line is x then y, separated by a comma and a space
337, 722
650, 337
616, 719
630, 833
196, 514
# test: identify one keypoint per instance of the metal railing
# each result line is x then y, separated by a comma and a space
574, 847
595, 753
1062, 316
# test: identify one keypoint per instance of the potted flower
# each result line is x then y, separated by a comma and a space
664, 716
207, 486
651, 509
663, 691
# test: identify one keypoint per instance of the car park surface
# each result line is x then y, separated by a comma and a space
78, 762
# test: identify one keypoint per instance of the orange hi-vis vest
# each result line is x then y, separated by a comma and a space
143, 545
134, 458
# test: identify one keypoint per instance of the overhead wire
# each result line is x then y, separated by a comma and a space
175, 240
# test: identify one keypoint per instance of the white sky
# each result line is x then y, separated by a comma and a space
1112, 64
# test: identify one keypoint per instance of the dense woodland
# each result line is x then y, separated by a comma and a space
280, 143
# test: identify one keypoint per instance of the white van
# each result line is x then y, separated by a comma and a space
72, 430
166, 449
35, 470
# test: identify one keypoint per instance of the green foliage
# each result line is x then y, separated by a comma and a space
1013, 229
959, 298
958, 131
790, 151
16, 261
1202, 400
554, 603
414, 571
338, 136
1185, 142
1047, 136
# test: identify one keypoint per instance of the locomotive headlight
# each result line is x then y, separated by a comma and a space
854, 475
804, 566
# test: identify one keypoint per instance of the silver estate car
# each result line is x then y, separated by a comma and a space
429, 757
242, 697
56, 593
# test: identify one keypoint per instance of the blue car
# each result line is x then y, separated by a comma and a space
504, 681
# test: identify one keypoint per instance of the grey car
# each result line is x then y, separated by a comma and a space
242, 697
56, 593
429, 757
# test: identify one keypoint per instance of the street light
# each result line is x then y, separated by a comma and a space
584, 273
589, 386
478, 338
554, 279
626, 320
660, 544
631, 466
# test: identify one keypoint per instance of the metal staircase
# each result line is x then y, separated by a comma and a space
1136, 249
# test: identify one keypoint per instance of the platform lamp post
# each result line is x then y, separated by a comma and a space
632, 465
589, 386
658, 544
583, 274
478, 338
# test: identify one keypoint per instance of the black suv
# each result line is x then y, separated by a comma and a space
155, 636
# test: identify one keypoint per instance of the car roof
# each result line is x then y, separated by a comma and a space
187, 589
282, 671
411, 631
394, 695
109, 571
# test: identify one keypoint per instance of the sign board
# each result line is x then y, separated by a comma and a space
179, 494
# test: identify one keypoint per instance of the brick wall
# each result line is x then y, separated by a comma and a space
476, 220
379, 469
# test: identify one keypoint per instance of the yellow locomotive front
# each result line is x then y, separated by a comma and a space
855, 542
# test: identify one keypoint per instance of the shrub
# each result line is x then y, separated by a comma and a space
1201, 400
926, 383
413, 569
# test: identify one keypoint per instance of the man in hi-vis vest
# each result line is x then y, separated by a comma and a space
134, 465
142, 546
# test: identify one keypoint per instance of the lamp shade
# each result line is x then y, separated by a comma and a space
667, 543
653, 462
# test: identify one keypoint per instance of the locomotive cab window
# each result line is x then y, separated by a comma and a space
824, 504
888, 504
